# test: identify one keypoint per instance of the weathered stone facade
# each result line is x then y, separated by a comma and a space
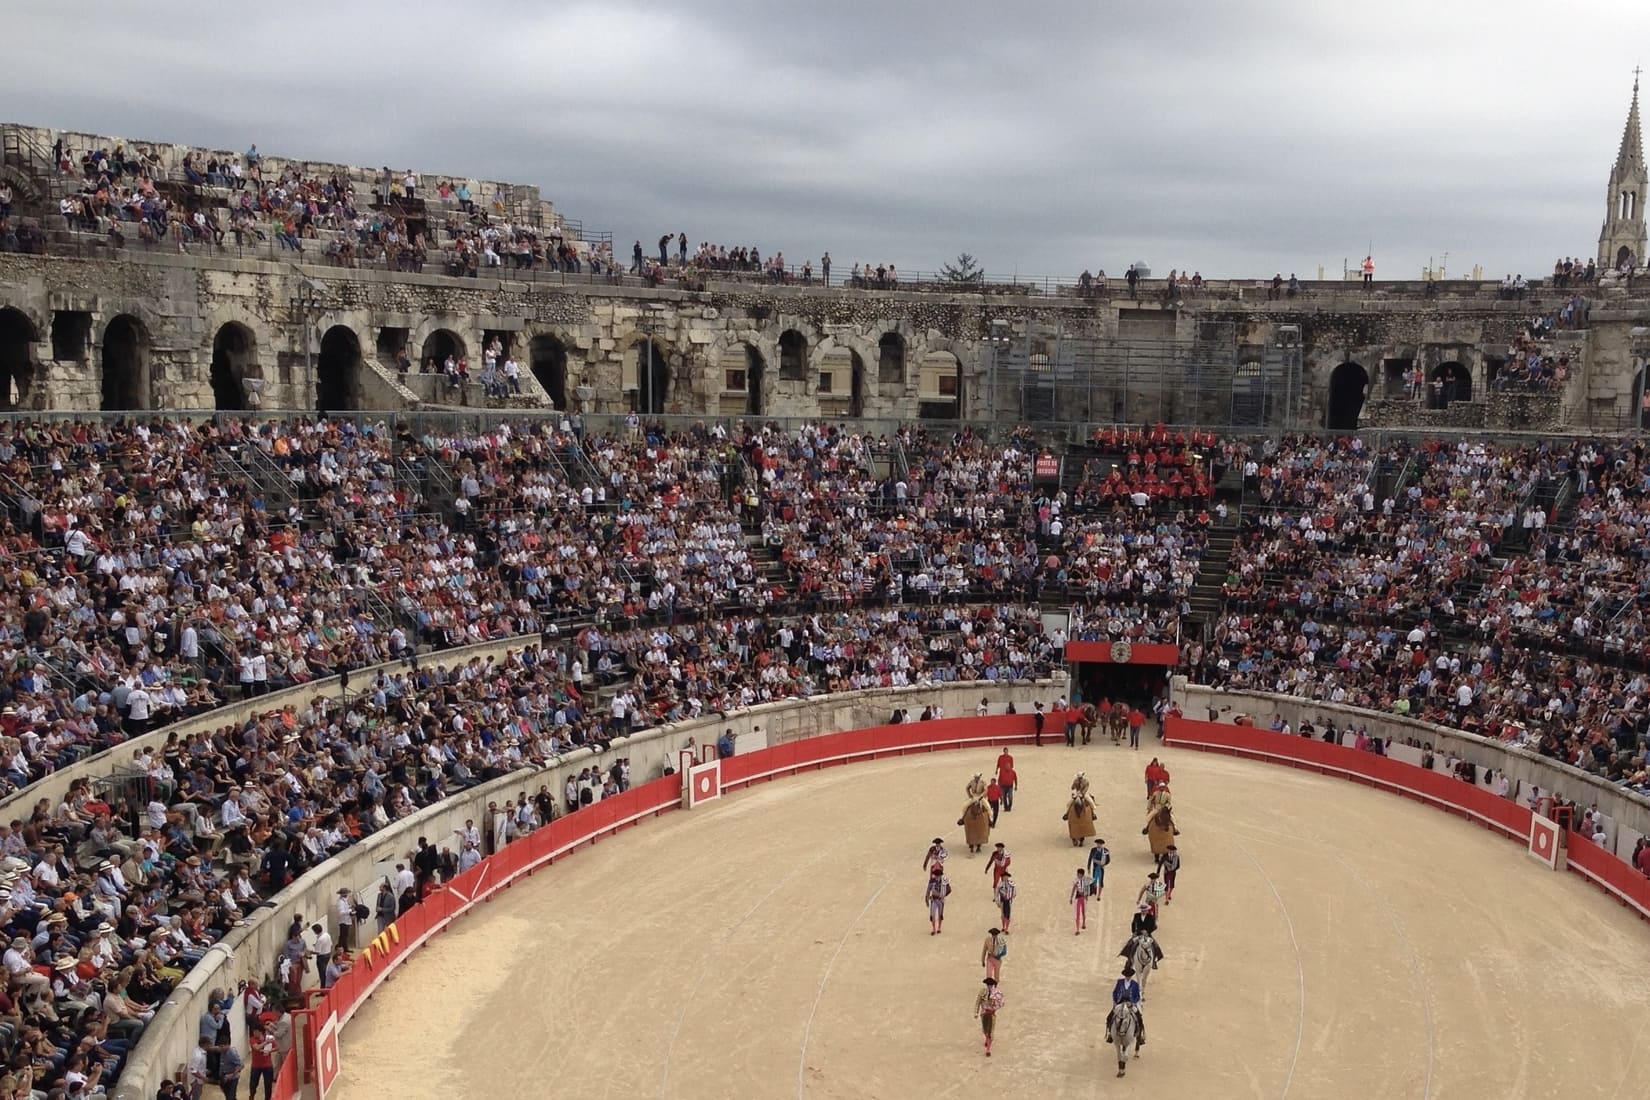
805, 352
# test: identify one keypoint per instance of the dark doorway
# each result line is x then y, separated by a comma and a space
756, 370
338, 371
856, 385
392, 341
1624, 257
438, 345
71, 335
652, 377
548, 360
17, 337
891, 359
125, 365
793, 356
233, 362
1450, 382
1641, 401
1348, 385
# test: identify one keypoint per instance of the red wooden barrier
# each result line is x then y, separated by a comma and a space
1587, 859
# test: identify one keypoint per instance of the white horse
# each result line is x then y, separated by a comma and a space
1123, 1033
1142, 953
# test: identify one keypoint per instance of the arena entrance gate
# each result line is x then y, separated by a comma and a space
1136, 673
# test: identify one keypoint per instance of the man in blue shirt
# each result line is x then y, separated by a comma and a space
1126, 991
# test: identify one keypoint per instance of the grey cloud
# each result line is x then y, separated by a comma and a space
1232, 138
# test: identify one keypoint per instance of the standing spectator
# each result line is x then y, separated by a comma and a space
825, 268
385, 905
345, 907
230, 1066
1369, 270
262, 1044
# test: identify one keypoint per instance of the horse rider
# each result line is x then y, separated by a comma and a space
1126, 991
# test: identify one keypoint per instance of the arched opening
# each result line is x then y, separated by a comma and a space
940, 395
547, 358
1641, 400
234, 362
17, 338
891, 359
793, 356
392, 342
125, 365
647, 377
1348, 385
1450, 382
338, 371
756, 372
1624, 257
438, 345
856, 385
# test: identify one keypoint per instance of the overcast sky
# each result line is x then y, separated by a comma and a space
1235, 139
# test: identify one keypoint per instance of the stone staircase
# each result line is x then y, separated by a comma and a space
1205, 598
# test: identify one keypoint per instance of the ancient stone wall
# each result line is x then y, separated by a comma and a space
161, 330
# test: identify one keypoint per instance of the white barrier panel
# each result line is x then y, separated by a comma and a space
1545, 843
702, 783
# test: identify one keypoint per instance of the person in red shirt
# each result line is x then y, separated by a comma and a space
262, 1041
993, 796
1005, 780
1136, 720
1156, 775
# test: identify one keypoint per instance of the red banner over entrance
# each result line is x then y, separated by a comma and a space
1047, 466
1122, 653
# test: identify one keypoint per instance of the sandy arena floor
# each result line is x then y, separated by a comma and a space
1326, 941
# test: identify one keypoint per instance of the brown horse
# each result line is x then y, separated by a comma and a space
1160, 830
1088, 716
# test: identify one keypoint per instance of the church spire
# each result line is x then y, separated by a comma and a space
1622, 241
1632, 138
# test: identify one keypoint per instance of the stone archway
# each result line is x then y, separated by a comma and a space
18, 336
547, 359
438, 345
940, 390
891, 359
856, 385
1348, 386
647, 376
338, 371
793, 356
126, 382
234, 365
1450, 382
1641, 400
1624, 257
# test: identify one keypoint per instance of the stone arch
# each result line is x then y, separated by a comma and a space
547, 359
891, 359
234, 366
793, 356
647, 374
940, 393
338, 369
18, 335
1624, 257
23, 189
856, 384
743, 369
1348, 386
1641, 399
1454, 383
440, 343
126, 379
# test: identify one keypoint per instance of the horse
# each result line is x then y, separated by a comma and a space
1143, 953
1160, 830
1088, 716
976, 786
1119, 723
1123, 1033
976, 823
1079, 818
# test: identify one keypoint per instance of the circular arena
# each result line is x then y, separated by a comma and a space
1324, 940
369, 730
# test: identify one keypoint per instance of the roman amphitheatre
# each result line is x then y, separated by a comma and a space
446, 654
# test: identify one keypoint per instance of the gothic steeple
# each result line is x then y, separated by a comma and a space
1622, 240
